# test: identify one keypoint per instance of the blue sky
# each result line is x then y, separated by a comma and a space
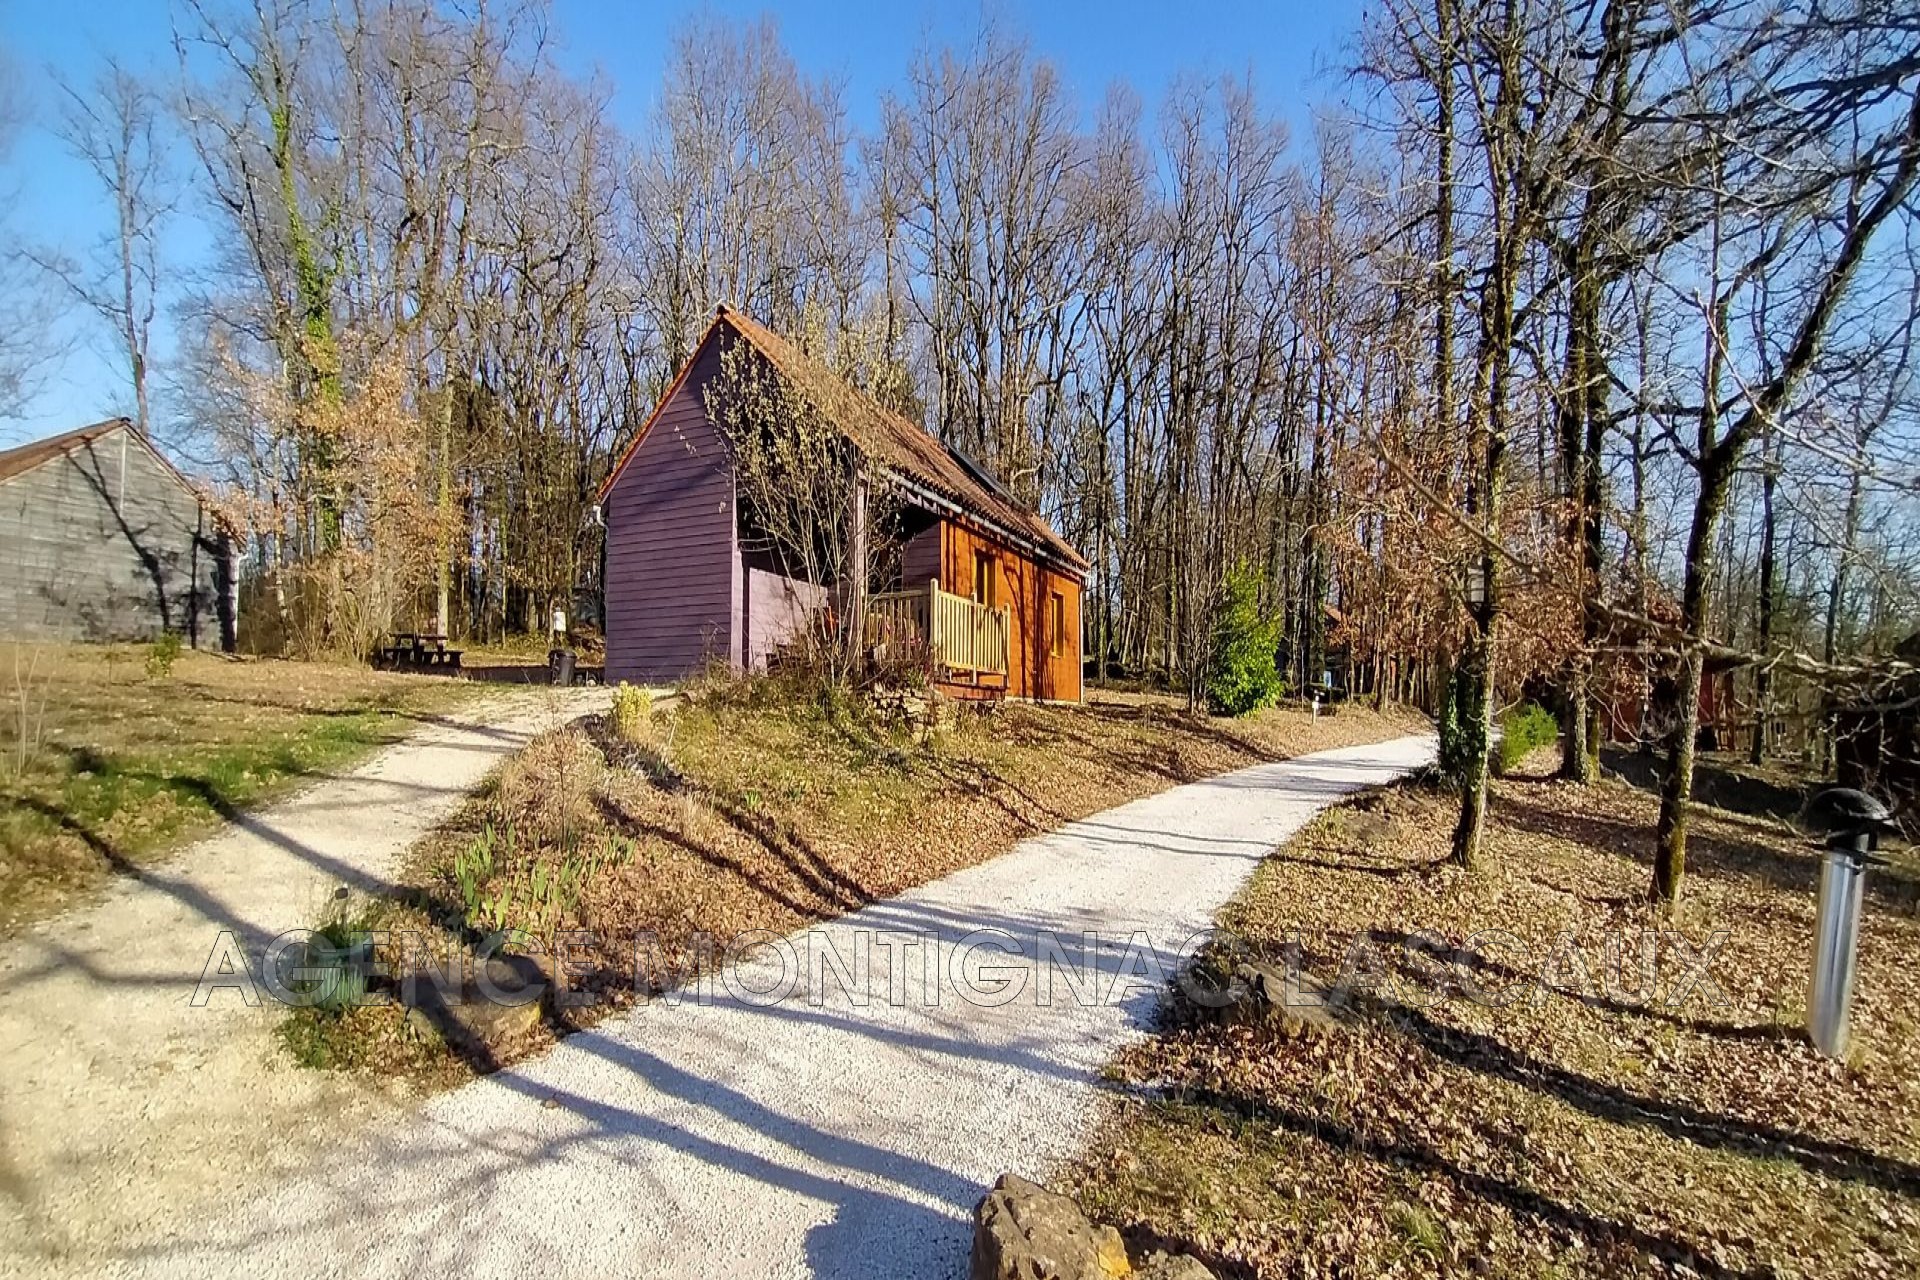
1288, 47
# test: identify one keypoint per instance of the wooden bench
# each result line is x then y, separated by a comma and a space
417, 651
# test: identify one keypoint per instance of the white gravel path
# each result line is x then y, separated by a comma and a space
809, 1136
118, 1099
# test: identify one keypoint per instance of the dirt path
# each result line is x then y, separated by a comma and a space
833, 1127
118, 1098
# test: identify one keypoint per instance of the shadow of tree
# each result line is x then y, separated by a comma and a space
1479, 964
1380, 870
1717, 782
1490, 1056
1711, 848
254, 937
1602, 1234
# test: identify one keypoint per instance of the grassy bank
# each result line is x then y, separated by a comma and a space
746, 808
1505, 1098
109, 760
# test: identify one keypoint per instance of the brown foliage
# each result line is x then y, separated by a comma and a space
1594, 1122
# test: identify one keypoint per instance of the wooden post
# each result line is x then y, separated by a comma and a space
857, 571
933, 618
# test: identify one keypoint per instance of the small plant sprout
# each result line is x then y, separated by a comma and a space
162, 654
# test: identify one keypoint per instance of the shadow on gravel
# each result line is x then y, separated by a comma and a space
889, 1208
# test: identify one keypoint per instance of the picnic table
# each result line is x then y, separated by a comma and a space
417, 651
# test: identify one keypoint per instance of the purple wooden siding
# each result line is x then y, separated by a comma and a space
673, 566
777, 608
920, 558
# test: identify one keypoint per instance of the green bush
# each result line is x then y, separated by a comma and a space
632, 712
1241, 675
334, 965
162, 654
342, 953
1522, 729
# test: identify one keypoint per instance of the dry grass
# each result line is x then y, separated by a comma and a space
550, 792
104, 768
746, 809
1589, 1126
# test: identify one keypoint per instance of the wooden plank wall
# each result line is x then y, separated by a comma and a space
106, 543
1026, 588
674, 576
777, 610
920, 558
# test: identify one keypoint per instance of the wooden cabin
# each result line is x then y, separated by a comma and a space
1876, 736
989, 587
102, 538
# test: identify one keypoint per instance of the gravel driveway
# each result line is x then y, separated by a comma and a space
119, 1100
829, 1132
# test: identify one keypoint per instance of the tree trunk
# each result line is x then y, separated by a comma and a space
1474, 708
1488, 451
1575, 763
1837, 594
1763, 636
1676, 789
857, 568
443, 540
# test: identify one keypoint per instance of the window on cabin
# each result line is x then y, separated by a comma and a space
1057, 624
984, 574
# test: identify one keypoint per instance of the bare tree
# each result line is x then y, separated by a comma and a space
1855, 200
112, 125
25, 346
741, 192
810, 499
986, 171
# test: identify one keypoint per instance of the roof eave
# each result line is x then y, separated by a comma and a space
646, 428
1038, 550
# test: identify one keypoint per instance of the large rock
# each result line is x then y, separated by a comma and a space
1022, 1231
1296, 1003
514, 978
495, 1008
479, 1021
1168, 1266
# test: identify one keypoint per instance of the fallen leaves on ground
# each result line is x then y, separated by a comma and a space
748, 810
1625, 1093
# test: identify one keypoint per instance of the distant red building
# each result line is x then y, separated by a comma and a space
1632, 703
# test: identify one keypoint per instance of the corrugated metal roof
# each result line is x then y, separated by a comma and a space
24, 458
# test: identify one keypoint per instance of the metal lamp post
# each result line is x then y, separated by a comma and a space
1476, 583
1854, 821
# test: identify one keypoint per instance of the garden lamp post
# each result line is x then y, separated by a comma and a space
1853, 821
1477, 583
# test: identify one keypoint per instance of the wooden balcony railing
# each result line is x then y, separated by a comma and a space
961, 635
